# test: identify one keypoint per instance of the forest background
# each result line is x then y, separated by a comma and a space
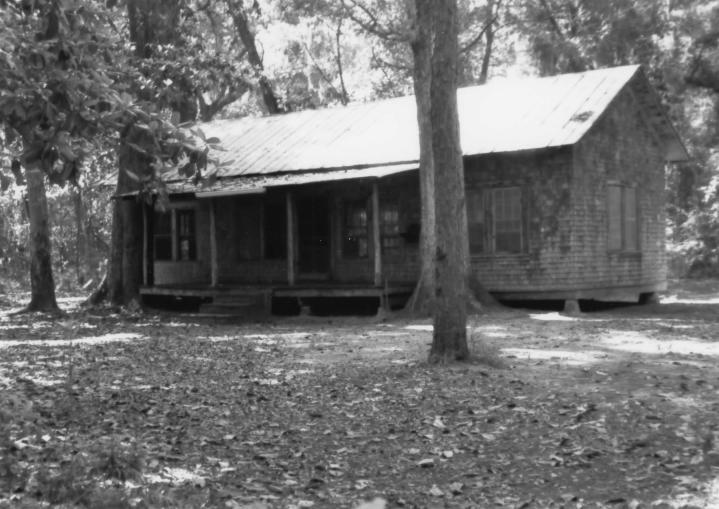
213, 59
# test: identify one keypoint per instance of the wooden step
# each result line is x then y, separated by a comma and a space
257, 304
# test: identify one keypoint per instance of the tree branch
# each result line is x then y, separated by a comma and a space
323, 74
248, 41
494, 16
338, 59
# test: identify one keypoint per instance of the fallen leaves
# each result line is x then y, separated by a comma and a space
246, 422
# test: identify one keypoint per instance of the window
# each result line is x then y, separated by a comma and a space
390, 227
275, 230
476, 221
162, 238
354, 238
507, 213
186, 235
623, 234
494, 220
174, 235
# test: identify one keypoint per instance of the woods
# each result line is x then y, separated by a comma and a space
185, 61
179, 65
254, 158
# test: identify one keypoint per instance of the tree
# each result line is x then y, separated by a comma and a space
56, 97
451, 257
176, 69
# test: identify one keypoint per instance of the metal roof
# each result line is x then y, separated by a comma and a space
258, 183
502, 116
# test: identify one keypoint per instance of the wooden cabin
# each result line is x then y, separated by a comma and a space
564, 191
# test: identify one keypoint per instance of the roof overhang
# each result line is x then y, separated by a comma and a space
258, 184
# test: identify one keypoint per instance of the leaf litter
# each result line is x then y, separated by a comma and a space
161, 410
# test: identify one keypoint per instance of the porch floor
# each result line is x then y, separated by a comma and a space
387, 295
298, 290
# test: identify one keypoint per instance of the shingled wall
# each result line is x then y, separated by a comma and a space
545, 180
621, 148
565, 209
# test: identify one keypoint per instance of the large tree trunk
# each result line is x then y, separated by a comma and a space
125, 269
149, 22
422, 299
41, 278
449, 341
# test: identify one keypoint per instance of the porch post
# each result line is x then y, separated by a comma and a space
173, 229
214, 271
376, 236
290, 238
145, 242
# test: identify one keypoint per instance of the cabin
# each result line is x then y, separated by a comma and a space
564, 182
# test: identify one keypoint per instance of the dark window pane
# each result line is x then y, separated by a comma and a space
390, 226
163, 247
354, 238
186, 244
508, 242
507, 220
162, 223
162, 235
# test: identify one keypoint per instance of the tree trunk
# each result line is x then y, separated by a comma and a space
489, 43
449, 341
242, 26
80, 237
41, 278
421, 301
125, 269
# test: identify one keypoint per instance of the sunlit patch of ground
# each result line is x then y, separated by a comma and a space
648, 343
568, 357
83, 341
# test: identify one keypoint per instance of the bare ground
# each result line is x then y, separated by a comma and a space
615, 408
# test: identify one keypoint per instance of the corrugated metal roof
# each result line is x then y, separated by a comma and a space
502, 116
258, 183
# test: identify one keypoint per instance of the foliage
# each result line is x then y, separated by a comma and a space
57, 83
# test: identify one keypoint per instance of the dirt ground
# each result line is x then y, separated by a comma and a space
613, 408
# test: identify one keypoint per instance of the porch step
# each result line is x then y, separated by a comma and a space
256, 304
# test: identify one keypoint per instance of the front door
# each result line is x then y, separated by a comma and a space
313, 242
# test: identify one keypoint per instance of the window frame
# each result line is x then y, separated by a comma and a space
352, 232
176, 235
390, 235
504, 191
482, 203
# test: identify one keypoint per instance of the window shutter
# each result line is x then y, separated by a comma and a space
631, 234
614, 217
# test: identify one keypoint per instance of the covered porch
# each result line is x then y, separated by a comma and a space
340, 235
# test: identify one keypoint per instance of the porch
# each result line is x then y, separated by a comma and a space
241, 299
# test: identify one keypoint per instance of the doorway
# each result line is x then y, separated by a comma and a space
313, 242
